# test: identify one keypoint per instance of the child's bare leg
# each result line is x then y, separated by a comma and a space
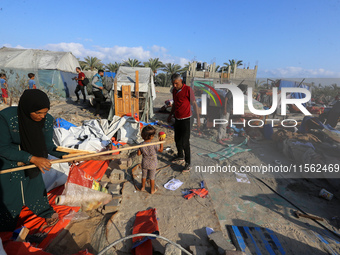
153, 190
143, 184
5, 100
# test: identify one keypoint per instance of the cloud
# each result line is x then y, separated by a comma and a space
118, 53
298, 72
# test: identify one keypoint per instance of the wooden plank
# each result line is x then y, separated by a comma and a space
80, 158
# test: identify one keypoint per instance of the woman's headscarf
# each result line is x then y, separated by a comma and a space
31, 132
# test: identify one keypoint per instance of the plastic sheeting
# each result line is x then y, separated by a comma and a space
94, 135
127, 76
50, 68
57, 175
37, 59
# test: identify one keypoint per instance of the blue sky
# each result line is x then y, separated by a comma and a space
285, 38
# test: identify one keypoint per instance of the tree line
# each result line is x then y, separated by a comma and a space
161, 79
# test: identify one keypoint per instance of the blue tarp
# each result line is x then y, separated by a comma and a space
63, 123
294, 84
109, 74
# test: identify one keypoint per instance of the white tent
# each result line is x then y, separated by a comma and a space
127, 76
49, 67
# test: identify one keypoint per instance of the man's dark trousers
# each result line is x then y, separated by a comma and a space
98, 98
82, 89
182, 138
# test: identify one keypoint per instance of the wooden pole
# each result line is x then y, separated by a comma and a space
81, 158
115, 96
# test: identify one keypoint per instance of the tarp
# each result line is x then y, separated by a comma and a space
51, 68
145, 222
35, 223
294, 84
127, 76
37, 59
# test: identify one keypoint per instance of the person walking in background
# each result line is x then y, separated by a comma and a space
184, 97
149, 153
31, 81
97, 90
80, 86
4, 87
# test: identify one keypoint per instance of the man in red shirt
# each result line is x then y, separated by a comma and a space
183, 97
80, 86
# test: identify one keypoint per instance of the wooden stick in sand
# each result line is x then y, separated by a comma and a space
80, 158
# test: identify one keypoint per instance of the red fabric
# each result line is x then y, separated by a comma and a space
182, 99
80, 76
145, 222
35, 224
4, 93
79, 177
95, 168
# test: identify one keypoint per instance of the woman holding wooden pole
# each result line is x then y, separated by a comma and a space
26, 135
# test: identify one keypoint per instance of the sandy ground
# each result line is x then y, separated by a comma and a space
229, 202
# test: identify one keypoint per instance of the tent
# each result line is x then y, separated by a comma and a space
294, 84
147, 93
50, 68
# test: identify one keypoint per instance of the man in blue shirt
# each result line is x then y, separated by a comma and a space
97, 90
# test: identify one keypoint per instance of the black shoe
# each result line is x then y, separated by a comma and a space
177, 160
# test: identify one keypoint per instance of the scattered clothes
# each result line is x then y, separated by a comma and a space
145, 222
227, 152
199, 192
173, 184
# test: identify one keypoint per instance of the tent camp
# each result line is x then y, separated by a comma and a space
50, 68
147, 93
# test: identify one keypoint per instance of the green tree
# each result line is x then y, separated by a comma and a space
112, 67
186, 67
258, 83
218, 68
154, 64
170, 68
232, 63
92, 63
162, 80
132, 62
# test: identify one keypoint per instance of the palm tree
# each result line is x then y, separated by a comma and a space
170, 68
186, 67
218, 69
132, 62
162, 80
154, 64
258, 83
232, 63
92, 63
113, 67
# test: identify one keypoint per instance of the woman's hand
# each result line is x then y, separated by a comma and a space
41, 163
